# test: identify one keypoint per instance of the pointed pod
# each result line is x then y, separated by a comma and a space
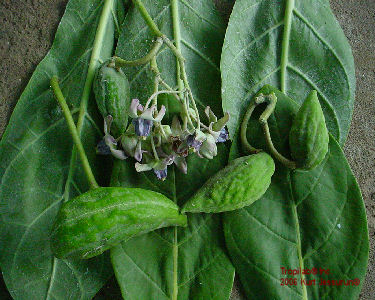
112, 94
240, 184
308, 137
99, 219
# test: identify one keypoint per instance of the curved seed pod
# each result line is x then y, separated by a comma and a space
241, 183
112, 94
99, 219
308, 137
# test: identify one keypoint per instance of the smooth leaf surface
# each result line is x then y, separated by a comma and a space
38, 171
101, 218
313, 55
176, 263
313, 219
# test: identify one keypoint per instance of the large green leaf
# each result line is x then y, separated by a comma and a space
188, 262
38, 169
295, 45
313, 219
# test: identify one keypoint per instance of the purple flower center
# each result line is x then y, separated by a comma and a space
192, 142
161, 174
223, 136
142, 126
102, 148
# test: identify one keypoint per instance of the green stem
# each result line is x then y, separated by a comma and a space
177, 38
119, 62
146, 16
154, 66
74, 132
176, 51
94, 61
244, 123
154, 95
272, 100
175, 265
181, 87
288, 163
187, 86
263, 119
153, 148
285, 43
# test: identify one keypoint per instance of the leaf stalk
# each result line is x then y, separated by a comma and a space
74, 132
120, 62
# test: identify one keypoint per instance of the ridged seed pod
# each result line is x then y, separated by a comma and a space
99, 219
308, 137
241, 183
112, 94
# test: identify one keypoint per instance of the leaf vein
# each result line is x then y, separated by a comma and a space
202, 55
200, 16
312, 28
154, 283
267, 228
323, 96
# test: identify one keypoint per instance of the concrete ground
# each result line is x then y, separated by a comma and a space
27, 29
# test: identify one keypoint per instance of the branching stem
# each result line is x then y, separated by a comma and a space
146, 16
120, 62
158, 93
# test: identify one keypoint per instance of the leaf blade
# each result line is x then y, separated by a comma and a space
253, 56
37, 143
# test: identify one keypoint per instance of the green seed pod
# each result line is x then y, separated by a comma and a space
99, 219
308, 137
112, 94
241, 183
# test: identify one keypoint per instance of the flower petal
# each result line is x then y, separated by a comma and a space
161, 114
181, 164
142, 167
148, 114
138, 151
135, 106
161, 174
210, 115
119, 154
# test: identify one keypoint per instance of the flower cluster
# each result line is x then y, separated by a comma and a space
156, 146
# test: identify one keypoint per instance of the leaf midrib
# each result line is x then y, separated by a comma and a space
283, 69
285, 43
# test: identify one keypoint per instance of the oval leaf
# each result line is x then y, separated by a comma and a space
95, 221
38, 168
239, 184
296, 46
305, 220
